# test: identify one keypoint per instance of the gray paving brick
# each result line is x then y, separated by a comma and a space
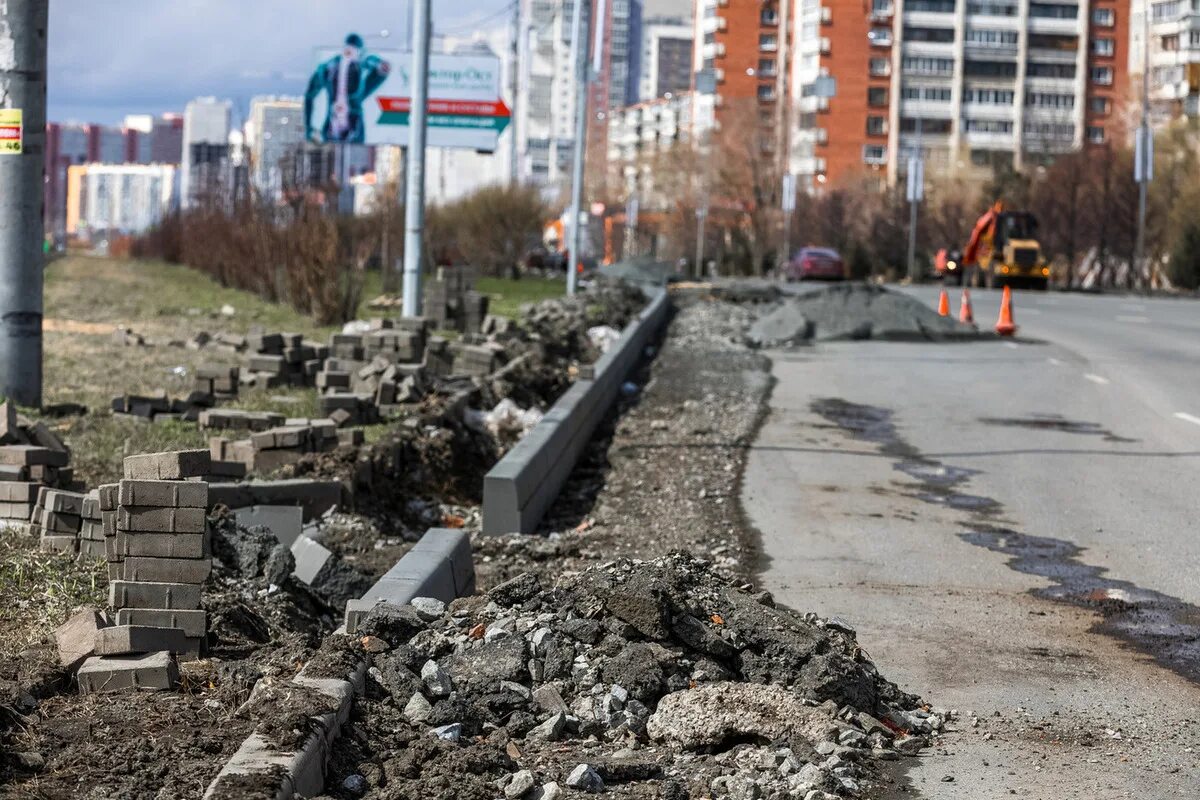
193, 623
144, 594
124, 639
58, 544
149, 519
162, 545
109, 496
111, 674
172, 466
55, 522
27, 455
163, 494
311, 556
165, 570
76, 638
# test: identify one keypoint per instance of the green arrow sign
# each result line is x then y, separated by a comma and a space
497, 124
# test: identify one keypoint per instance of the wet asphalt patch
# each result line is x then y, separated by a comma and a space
1163, 627
1055, 422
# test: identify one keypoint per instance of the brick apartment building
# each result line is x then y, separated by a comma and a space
980, 84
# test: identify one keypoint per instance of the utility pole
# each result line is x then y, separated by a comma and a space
789, 207
22, 147
1143, 167
579, 61
701, 217
414, 175
514, 172
914, 189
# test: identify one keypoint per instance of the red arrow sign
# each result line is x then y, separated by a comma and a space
459, 108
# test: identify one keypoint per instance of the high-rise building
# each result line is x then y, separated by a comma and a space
275, 128
206, 126
1174, 39
66, 145
664, 65
545, 119
153, 140
104, 199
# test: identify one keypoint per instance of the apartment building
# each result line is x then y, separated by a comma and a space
1174, 39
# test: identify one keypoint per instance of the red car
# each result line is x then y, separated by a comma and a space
816, 263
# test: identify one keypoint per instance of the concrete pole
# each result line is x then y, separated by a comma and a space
514, 172
701, 218
1144, 152
579, 53
22, 87
414, 175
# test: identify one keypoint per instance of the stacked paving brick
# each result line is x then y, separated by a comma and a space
109, 494
282, 359
160, 408
91, 530
162, 556
474, 356
219, 383
57, 518
451, 302
31, 457
235, 420
270, 450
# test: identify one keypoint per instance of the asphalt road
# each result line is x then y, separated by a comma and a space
1011, 527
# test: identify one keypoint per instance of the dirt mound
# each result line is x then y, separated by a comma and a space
854, 311
659, 676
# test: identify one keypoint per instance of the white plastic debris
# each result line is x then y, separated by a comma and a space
356, 326
603, 337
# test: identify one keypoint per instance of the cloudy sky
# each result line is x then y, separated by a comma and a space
109, 58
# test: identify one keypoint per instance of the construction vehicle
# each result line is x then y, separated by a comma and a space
1004, 250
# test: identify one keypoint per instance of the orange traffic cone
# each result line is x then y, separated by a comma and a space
944, 304
965, 312
1005, 325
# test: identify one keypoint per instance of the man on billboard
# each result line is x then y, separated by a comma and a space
346, 80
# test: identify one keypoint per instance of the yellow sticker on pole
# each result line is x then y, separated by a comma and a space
10, 131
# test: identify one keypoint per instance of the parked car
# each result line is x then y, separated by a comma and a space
816, 263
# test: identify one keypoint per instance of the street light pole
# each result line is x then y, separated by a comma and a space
701, 218
414, 175
22, 146
915, 192
1143, 168
579, 54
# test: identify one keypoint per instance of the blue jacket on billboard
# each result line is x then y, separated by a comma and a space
347, 79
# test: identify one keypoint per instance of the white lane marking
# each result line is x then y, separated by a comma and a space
1186, 417
1125, 318
1013, 345
1055, 362
1096, 378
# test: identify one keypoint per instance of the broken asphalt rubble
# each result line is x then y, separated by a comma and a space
657, 678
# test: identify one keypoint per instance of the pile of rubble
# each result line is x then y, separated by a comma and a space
657, 673
282, 359
270, 450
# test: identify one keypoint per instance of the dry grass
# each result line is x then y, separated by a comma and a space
40, 590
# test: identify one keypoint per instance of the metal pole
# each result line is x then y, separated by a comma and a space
915, 191
513, 170
701, 218
579, 48
414, 225
1144, 151
22, 150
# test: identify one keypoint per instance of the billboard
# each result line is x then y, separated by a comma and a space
356, 96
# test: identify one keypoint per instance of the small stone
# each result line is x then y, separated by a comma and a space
851, 738
825, 748
521, 783
428, 608
586, 779
618, 694
909, 745
373, 644
449, 733
417, 709
356, 784
495, 632
31, 761
550, 730
437, 681
550, 791
518, 689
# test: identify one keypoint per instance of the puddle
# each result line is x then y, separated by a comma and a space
1164, 627
1054, 422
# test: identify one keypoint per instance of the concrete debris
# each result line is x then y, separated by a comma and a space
658, 670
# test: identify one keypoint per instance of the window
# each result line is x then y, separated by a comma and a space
936, 94
1194, 38
768, 42
1054, 10
996, 97
882, 8
989, 126
943, 35
874, 154
880, 37
990, 69
917, 65
1098, 105
1050, 130
1102, 76
936, 6
936, 126
1038, 70
1166, 12
1050, 100
770, 17
988, 38
767, 67
1095, 134
766, 91
880, 66
992, 8
1103, 47
1049, 41
876, 126
877, 97
1170, 42
1104, 17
